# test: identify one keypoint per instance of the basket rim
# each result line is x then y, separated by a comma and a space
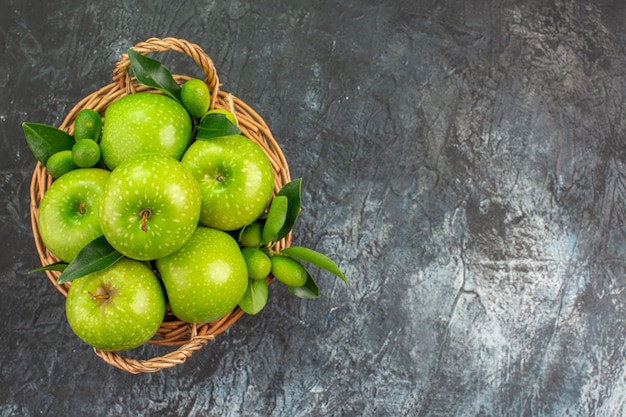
185, 337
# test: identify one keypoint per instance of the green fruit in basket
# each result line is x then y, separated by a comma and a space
86, 153
150, 207
229, 115
235, 177
288, 271
206, 278
60, 164
257, 262
119, 308
144, 123
68, 213
87, 125
196, 97
251, 235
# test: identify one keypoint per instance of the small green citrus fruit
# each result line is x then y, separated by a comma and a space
258, 263
60, 164
288, 271
86, 153
87, 125
251, 235
196, 97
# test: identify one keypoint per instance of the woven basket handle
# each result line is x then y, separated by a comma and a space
121, 72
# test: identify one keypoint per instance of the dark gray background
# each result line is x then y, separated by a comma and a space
463, 161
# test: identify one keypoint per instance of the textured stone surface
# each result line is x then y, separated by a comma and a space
463, 161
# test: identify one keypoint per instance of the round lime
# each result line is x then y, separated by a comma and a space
196, 97
258, 263
86, 153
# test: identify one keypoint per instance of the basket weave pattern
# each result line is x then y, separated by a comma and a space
183, 337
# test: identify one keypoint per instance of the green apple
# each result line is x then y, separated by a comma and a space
149, 207
68, 213
119, 308
144, 123
206, 278
235, 177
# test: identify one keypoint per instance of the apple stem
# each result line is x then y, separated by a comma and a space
81, 208
104, 296
145, 214
219, 178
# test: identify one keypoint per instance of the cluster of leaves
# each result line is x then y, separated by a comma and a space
278, 222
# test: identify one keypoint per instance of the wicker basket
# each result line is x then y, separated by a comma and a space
182, 337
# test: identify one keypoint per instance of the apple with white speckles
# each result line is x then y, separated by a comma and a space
144, 123
235, 177
206, 278
149, 207
68, 214
119, 308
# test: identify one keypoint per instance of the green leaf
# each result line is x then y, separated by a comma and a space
44, 141
308, 291
314, 258
57, 266
276, 216
255, 297
215, 125
152, 73
291, 190
96, 256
